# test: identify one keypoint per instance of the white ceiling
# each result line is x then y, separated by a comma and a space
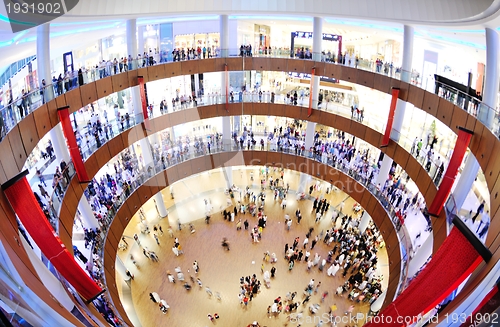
415, 11
91, 20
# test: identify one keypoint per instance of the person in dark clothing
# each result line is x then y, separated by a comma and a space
80, 77
479, 210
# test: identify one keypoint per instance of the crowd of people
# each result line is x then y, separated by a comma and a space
106, 193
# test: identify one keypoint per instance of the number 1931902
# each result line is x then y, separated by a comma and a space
39, 8
474, 320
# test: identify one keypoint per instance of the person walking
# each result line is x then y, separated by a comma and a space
479, 210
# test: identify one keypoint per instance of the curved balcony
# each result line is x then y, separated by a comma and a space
24, 136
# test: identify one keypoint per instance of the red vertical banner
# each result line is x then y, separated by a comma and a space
311, 92
485, 310
455, 260
142, 91
390, 119
22, 200
463, 140
140, 80
226, 80
74, 151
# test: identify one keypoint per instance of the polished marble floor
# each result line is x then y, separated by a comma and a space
219, 269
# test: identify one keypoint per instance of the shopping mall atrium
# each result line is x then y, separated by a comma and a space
266, 163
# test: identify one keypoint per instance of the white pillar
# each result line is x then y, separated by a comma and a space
120, 267
224, 35
397, 123
316, 55
399, 115
59, 144
131, 36
87, 214
490, 94
466, 180
420, 257
363, 224
490, 88
377, 304
407, 53
315, 93
317, 38
147, 156
43, 59
228, 176
160, 204
310, 128
172, 135
140, 41
226, 132
384, 171
303, 181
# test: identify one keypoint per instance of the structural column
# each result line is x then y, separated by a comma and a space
160, 205
131, 36
465, 182
228, 175
226, 133
59, 143
147, 156
363, 224
310, 128
43, 60
383, 174
87, 214
490, 89
407, 53
303, 181
490, 95
405, 77
421, 256
122, 270
224, 35
316, 56
140, 42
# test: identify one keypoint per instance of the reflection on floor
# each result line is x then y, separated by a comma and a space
220, 269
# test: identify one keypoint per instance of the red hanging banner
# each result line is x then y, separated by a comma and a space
74, 151
485, 311
144, 104
309, 110
455, 260
24, 203
390, 119
463, 140
140, 80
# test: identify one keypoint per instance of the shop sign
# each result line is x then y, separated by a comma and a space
309, 35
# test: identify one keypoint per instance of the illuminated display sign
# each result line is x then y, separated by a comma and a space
309, 35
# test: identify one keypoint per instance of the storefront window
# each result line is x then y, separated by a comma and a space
190, 41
